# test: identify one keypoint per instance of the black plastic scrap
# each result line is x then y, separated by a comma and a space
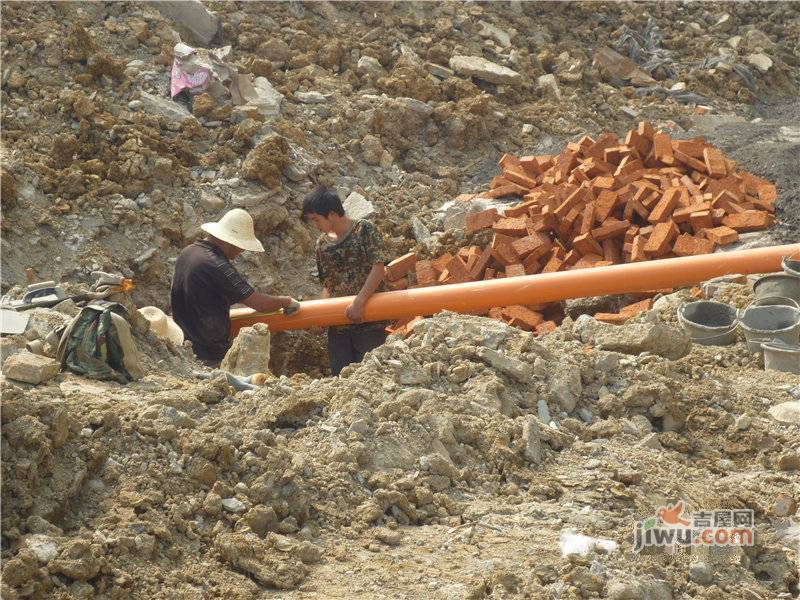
645, 48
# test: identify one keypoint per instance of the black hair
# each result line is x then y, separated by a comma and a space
322, 201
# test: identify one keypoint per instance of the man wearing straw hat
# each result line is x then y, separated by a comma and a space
205, 285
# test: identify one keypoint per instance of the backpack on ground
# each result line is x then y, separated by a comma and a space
98, 344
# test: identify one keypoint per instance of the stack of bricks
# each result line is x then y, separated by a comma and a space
600, 202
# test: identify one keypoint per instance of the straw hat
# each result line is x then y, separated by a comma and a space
162, 324
235, 227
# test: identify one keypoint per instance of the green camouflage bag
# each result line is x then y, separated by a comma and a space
97, 344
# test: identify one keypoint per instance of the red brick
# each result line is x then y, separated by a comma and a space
638, 141
606, 201
587, 261
509, 161
611, 250
660, 241
571, 257
689, 161
662, 148
717, 214
587, 218
426, 274
489, 274
530, 166
532, 265
504, 255
498, 181
440, 263
637, 307
515, 270
715, 162
512, 189
700, 219
631, 233
478, 269
663, 210
481, 220
522, 317
513, 226
553, 265
596, 150
693, 148
689, 245
633, 207
637, 249
681, 215
545, 327
610, 229
645, 129
586, 244
750, 220
629, 167
577, 198
520, 210
727, 201
496, 313
722, 235
520, 179
536, 245
399, 284
400, 266
612, 318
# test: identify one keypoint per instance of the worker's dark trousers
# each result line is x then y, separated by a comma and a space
345, 347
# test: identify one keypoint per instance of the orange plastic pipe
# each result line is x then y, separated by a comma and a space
530, 289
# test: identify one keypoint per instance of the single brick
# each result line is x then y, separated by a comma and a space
400, 266
612, 318
520, 210
727, 201
662, 148
715, 162
572, 257
637, 249
610, 229
750, 220
587, 218
509, 161
515, 270
689, 161
481, 220
645, 129
440, 263
504, 255
532, 265
637, 307
721, 235
426, 274
530, 166
519, 179
611, 250
536, 245
479, 268
660, 241
689, 245
399, 284
663, 210
700, 219
522, 317
586, 244
513, 226
682, 214
553, 265
693, 148
545, 327
458, 270
606, 201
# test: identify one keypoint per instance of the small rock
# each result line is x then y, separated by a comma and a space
388, 536
211, 203
249, 353
311, 97
233, 505
549, 86
784, 506
786, 412
678, 87
358, 207
42, 546
543, 411
369, 67
743, 422
527, 128
30, 368
438, 70
480, 68
760, 61
789, 461
701, 573
650, 441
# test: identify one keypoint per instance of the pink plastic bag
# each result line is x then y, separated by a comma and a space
181, 79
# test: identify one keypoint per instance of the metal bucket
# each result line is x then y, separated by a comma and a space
777, 285
781, 357
769, 323
709, 323
791, 265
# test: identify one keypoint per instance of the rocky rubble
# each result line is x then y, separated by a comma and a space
467, 431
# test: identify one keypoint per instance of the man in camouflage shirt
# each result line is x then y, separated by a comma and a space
350, 260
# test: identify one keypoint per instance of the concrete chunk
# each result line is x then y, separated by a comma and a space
30, 368
358, 207
478, 67
191, 17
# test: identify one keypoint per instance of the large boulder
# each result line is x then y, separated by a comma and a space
249, 353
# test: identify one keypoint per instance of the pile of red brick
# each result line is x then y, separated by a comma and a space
600, 202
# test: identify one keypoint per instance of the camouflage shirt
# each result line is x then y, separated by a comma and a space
344, 265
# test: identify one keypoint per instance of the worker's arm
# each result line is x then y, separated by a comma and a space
355, 312
266, 303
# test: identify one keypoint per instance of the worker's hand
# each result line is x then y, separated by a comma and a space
355, 312
293, 308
